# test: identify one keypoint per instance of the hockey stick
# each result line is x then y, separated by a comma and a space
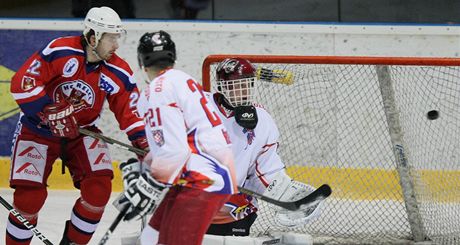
111, 141
114, 225
25, 222
317, 195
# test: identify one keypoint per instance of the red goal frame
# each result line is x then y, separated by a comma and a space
292, 59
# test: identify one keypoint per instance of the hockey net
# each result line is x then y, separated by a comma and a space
360, 124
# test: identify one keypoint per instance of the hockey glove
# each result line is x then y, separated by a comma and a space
144, 195
130, 172
283, 188
59, 117
142, 144
305, 214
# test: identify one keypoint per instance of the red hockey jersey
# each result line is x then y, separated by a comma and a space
60, 71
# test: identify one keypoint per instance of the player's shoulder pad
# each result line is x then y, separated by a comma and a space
177, 79
66, 42
121, 70
263, 115
120, 63
261, 109
61, 47
178, 75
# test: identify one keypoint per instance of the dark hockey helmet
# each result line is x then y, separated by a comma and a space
236, 78
156, 48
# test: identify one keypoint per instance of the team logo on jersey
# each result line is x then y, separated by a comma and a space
158, 137
70, 67
78, 93
27, 83
250, 135
108, 85
239, 212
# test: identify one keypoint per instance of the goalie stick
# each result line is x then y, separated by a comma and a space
25, 222
317, 195
311, 199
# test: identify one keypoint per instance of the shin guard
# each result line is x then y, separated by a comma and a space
88, 210
27, 201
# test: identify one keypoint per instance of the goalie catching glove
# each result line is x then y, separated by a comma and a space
142, 192
284, 188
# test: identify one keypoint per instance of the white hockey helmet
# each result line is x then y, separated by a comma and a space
102, 20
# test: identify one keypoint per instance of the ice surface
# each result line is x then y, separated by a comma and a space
57, 210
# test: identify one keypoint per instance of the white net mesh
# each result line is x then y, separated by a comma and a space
334, 130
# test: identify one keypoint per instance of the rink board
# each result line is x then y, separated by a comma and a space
344, 181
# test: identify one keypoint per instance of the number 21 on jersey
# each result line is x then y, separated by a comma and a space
153, 117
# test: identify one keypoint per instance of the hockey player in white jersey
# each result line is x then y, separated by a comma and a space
254, 137
190, 151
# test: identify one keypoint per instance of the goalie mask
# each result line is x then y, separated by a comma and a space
156, 48
236, 80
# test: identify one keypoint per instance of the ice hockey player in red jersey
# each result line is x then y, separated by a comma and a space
60, 89
189, 149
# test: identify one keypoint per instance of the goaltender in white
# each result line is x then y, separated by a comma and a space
254, 137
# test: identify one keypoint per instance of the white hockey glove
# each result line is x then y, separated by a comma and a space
284, 188
144, 195
130, 172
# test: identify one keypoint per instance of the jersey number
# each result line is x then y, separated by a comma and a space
133, 97
33, 68
212, 116
153, 118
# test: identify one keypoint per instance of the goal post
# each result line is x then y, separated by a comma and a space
360, 124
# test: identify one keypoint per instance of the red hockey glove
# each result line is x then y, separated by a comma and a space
142, 144
59, 118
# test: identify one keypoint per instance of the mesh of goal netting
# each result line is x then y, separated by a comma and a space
334, 130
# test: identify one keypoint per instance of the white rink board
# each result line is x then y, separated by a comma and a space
196, 40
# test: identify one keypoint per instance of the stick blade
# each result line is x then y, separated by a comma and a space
317, 195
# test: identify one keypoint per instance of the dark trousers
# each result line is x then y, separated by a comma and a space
237, 228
